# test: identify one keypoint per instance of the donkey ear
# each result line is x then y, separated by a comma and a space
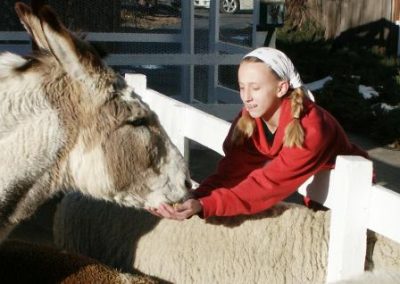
32, 25
73, 54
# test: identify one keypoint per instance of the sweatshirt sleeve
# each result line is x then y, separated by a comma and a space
274, 181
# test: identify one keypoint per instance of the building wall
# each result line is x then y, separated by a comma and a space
338, 16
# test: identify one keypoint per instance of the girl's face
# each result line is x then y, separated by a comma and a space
260, 89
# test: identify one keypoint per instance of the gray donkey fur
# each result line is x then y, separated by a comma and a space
69, 121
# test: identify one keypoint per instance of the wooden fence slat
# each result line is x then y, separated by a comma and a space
320, 188
384, 211
348, 231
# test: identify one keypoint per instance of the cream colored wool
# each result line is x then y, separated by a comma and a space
286, 244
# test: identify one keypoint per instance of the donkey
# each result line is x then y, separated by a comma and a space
69, 121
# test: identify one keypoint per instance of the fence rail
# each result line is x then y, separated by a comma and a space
224, 54
356, 204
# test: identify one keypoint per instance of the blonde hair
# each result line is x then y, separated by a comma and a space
294, 133
244, 128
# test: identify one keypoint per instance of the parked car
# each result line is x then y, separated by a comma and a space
225, 6
233, 6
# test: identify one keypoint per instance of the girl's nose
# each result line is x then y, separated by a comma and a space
246, 97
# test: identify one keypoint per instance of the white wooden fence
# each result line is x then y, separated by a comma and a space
356, 204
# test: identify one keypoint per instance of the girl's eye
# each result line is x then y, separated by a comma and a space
141, 121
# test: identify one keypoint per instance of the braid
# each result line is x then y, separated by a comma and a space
244, 128
294, 133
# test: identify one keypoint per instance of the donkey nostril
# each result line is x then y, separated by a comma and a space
188, 184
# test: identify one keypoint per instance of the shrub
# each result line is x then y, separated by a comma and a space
341, 98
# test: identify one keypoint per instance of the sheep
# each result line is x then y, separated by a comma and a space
69, 122
23, 262
285, 244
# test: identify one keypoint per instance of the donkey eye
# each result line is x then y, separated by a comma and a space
141, 121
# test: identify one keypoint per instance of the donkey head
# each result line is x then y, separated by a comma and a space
113, 146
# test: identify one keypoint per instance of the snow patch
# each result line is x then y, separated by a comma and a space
316, 85
367, 92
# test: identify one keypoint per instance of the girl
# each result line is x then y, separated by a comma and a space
280, 139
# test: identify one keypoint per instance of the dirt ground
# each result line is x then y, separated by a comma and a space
149, 22
158, 17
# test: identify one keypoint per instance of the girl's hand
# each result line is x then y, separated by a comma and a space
181, 212
153, 211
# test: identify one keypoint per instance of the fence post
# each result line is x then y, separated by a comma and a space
213, 40
187, 44
349, 213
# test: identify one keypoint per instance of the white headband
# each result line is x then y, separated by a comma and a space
281, 64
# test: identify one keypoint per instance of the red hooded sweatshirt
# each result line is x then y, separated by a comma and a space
255, 175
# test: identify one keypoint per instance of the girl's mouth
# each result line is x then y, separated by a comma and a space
250, 106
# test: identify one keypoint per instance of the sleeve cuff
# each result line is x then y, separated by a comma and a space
208, 207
